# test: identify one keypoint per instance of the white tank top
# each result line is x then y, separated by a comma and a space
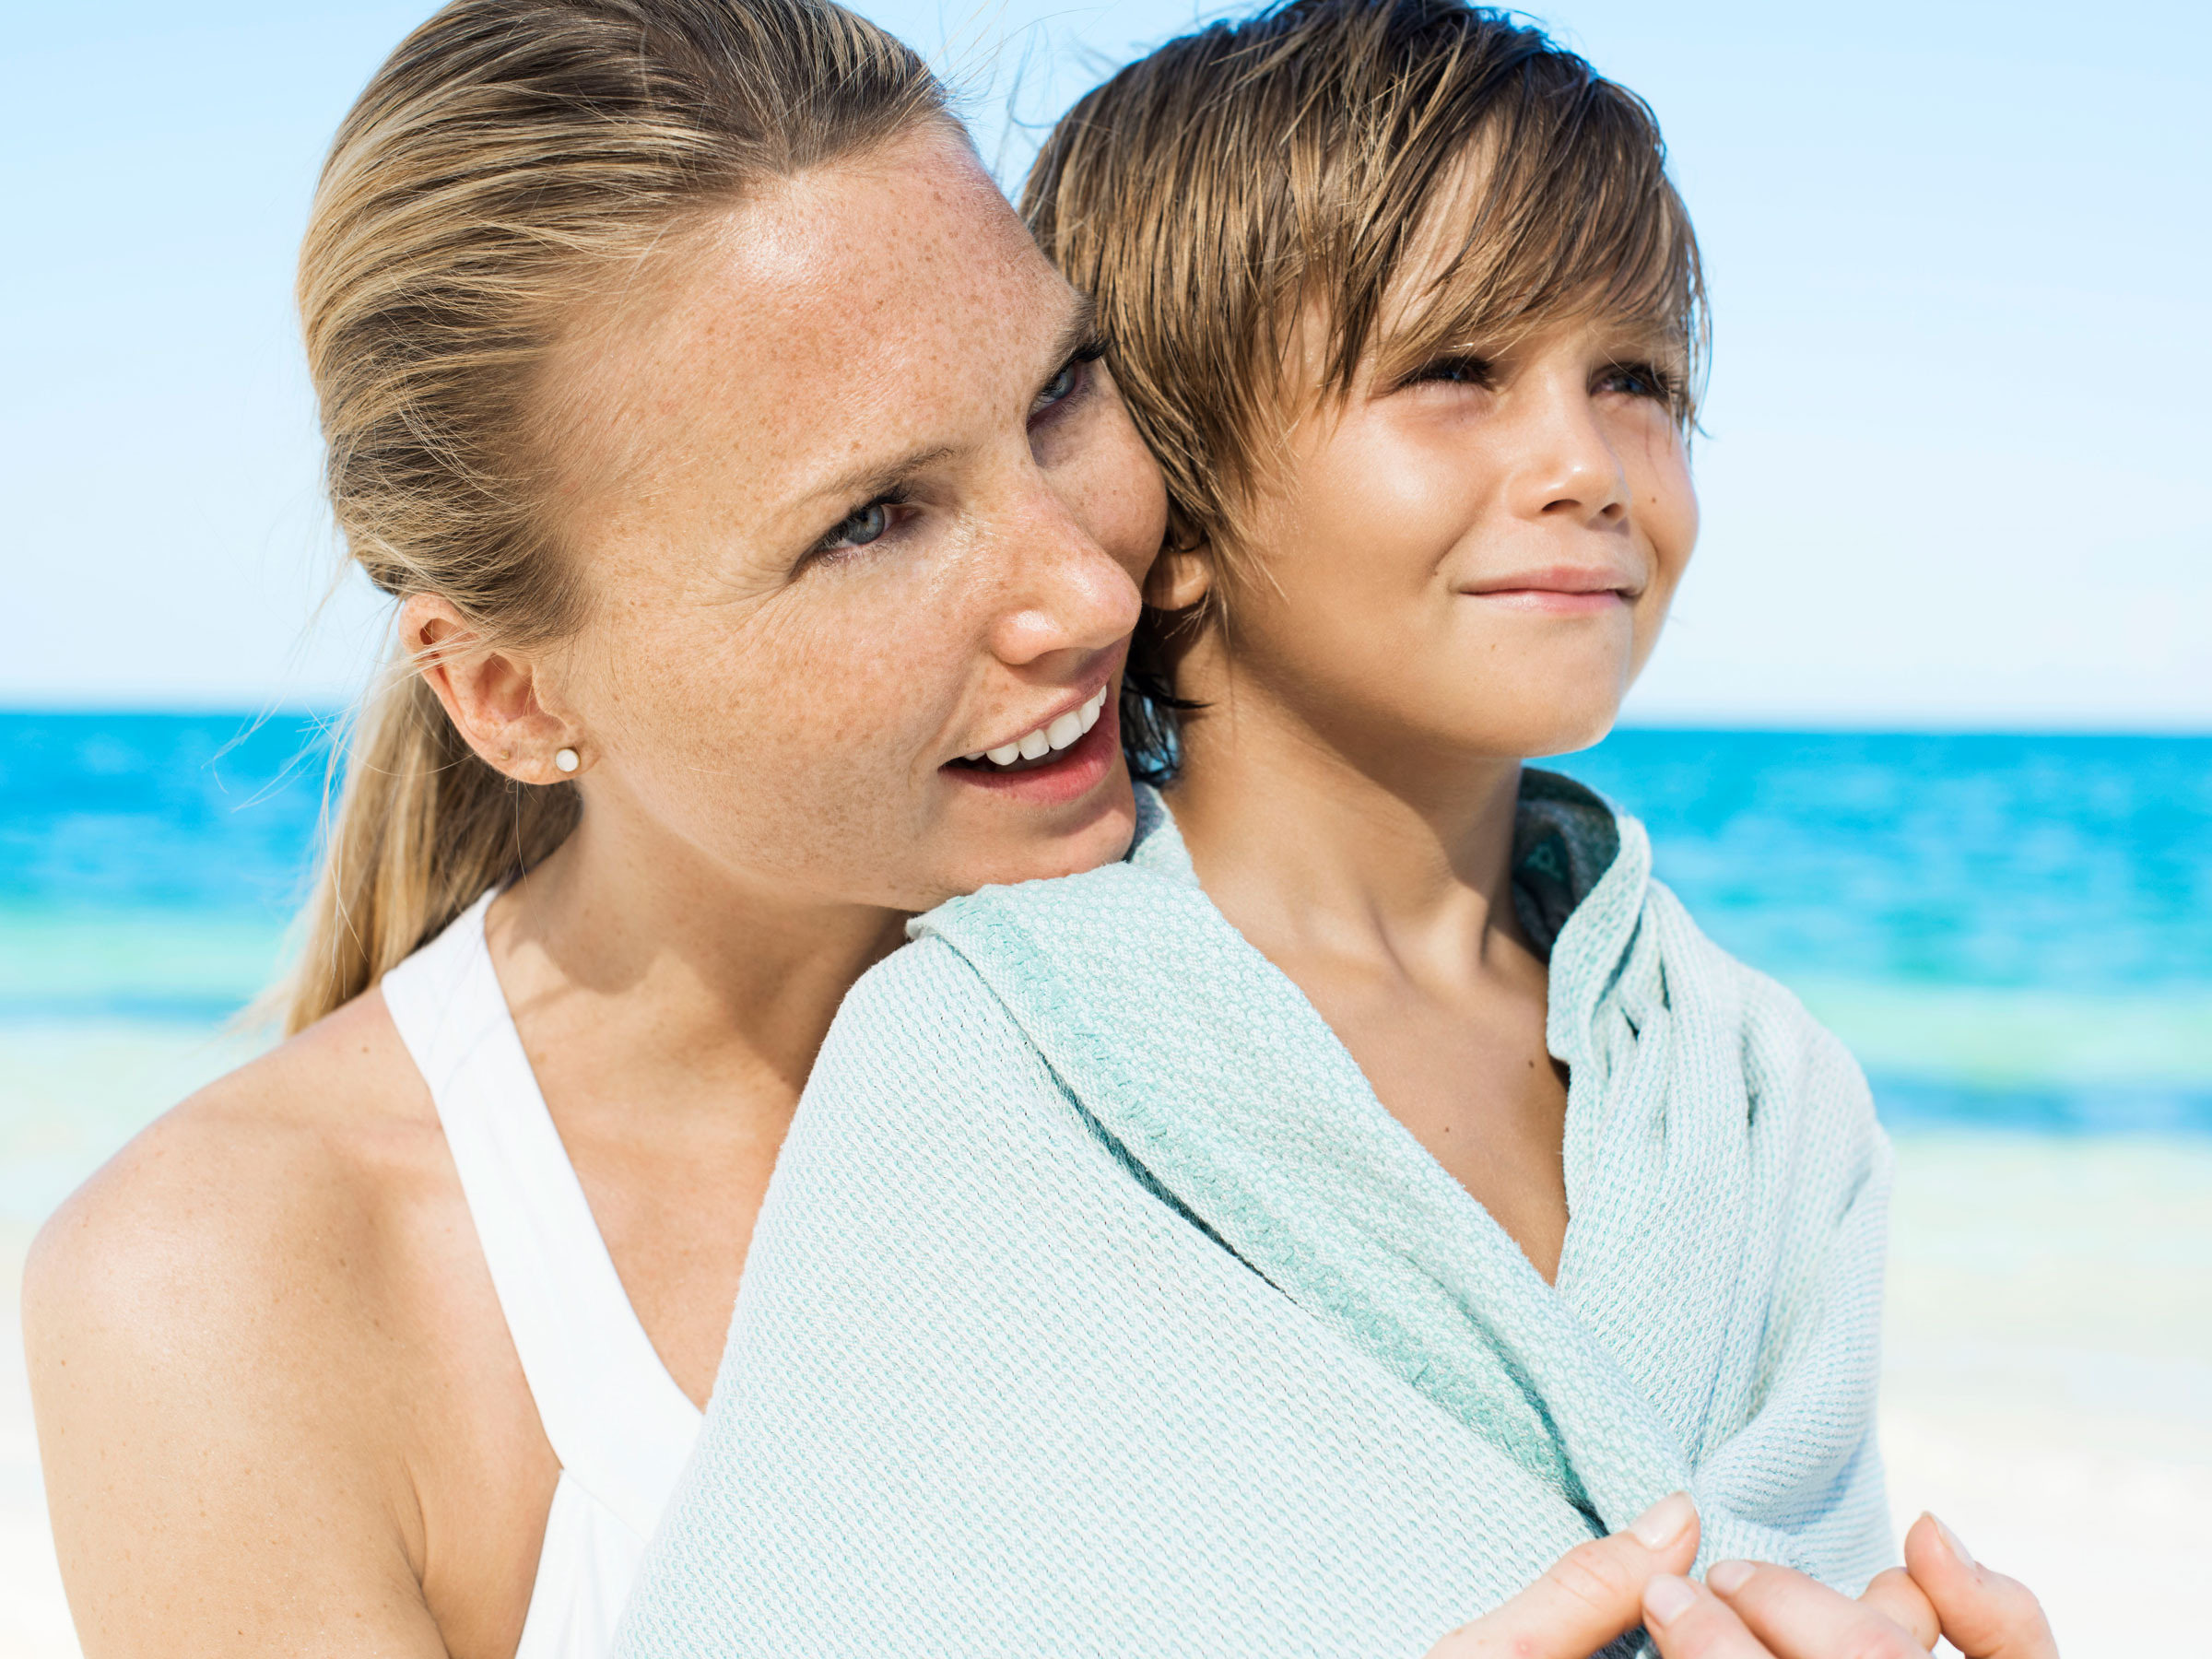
619, 1425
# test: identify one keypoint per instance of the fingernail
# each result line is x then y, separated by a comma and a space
1953, 1542
1725, 1578
1667, 1599
1664, 1520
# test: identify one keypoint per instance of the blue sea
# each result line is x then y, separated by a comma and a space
2010, 931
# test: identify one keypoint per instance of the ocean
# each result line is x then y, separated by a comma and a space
2009, 930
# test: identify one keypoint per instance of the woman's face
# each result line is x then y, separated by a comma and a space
1475, 560
852, 503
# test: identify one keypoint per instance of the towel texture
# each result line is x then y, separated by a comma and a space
1099, 1307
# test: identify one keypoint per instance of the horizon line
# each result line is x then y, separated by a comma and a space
1840, 725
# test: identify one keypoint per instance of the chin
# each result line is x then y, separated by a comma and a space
1103, 841
1559, 727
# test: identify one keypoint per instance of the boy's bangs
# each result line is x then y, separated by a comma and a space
1566, 219
1419, 178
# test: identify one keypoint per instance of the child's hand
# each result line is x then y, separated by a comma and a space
1750, 1610
1590, 1595
1986, 1615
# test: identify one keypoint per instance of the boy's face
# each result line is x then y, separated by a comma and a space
1476, 559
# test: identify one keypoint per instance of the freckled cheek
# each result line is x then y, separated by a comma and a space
1117, 495
726, 697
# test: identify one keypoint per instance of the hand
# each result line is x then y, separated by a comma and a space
1590, 1595
1984, 1613
1749, 1610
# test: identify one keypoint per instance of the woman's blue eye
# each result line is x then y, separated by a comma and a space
865, 527
1060, 386
1069, 382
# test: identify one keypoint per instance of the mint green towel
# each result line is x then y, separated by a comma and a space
1099, 1307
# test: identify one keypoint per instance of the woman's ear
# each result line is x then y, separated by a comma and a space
1181, 576
492, 697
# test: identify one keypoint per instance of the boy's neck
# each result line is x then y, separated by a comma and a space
1319, 841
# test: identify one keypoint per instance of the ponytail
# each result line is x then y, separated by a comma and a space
513, 163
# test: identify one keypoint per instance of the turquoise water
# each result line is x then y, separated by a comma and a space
2008, 930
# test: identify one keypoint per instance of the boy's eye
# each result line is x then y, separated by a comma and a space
1461, 371
1638, 380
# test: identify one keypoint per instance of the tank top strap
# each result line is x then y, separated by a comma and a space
618, 1423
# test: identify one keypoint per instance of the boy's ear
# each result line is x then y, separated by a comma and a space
1179, 577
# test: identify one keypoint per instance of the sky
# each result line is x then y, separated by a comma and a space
1954, 467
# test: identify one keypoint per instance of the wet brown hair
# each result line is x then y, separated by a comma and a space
1215, 194
510, 163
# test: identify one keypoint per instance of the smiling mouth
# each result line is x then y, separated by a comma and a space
1043, 746
1569, 586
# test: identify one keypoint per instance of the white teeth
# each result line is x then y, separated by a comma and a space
1045, 739
971, 759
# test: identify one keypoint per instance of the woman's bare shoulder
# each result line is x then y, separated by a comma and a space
278, 1167
236, 1319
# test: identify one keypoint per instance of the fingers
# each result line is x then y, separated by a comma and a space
1895, 1595
1986, 1615
1590, 1595
1686, 1620
1795, 1616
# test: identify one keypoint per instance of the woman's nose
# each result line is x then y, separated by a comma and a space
1063, 590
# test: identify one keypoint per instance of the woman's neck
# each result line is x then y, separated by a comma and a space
1402, 857
630, 955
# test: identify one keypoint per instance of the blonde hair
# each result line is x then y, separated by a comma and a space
511, 161
1214, 193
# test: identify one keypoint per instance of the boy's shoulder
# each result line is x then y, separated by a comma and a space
920, 1033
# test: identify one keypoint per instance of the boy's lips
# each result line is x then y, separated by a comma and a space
1559, 590
1557, 602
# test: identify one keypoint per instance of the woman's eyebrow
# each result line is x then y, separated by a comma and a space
867, 482
1080, 329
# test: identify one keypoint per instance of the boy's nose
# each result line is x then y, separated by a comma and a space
1567, 466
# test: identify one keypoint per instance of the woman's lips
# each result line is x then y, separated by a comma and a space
1057, 733
1055, 779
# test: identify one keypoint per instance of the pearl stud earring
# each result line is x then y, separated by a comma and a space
566, 759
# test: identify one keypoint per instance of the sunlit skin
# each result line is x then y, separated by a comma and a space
278, 1404
1458, 570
